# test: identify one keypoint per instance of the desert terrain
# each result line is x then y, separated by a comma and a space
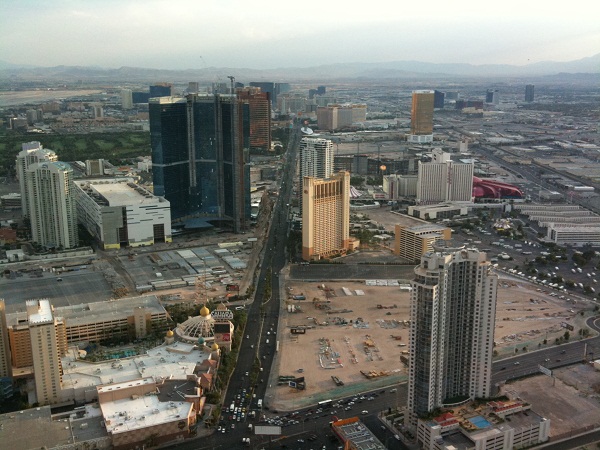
357, 341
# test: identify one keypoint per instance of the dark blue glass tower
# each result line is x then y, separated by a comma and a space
200, 156
161, 90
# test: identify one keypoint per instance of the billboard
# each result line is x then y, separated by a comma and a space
567, 326
267, 430
545, 370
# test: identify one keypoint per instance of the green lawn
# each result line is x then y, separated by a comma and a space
114, 147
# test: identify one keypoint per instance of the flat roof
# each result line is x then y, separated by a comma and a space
97, 312
357, 433
175, 361
38, 428
118, 191
425, 228
128, 414
104, 311
43, 314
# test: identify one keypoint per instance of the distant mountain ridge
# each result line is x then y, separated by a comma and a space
357, 70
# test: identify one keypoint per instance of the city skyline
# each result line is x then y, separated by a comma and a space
229, 34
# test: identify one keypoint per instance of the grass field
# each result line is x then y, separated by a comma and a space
114, 147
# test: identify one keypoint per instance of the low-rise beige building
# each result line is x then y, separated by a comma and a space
413, 242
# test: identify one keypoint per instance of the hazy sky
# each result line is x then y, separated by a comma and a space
181, 34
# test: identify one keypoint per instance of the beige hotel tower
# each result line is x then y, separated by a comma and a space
325, 216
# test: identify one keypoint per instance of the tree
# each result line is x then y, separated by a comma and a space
356, 181
567, 335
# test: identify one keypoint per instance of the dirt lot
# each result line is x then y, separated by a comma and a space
569, 403
339, 350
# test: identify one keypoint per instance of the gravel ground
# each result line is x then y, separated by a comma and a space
567, 401
519, 323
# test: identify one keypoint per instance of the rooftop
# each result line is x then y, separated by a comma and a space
36, 428
133, 413
39, 311
95, 312
174, 361
355, 431
117, 192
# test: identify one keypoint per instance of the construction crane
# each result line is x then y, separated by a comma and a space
232, 79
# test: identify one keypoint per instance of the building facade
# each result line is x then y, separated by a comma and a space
92, 322
412, 243
336, 116
492, 96
316, 158
126, 99
260, 117
499, 425
31, 153
51, 203
400, 186
117, 212
161, 90
443, 180
200, 156
47, 344
5, 360
453, 310
421, 118
325, 216
438, 99
529, 92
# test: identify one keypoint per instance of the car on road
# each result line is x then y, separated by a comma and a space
517, 363
364, 412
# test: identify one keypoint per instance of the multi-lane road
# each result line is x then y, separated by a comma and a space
308, 429
258, 346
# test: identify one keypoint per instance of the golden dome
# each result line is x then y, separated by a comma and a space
170, 333
204, 311
215, 346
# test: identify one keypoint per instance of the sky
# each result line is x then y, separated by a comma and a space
267, 34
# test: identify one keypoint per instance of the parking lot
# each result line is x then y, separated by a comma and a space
83, 286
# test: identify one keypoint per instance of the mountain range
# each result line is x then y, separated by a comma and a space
589, 66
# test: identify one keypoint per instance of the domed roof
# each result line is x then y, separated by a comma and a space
204, 311
215, 346
201, 340
170, 333
196, 327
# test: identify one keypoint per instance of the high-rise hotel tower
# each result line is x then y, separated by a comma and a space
325, 216
443, 180
51, 203
31, 153
200, 156
452, 318
421, 117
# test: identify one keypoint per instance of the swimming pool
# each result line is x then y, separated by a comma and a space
480, 422
122, 354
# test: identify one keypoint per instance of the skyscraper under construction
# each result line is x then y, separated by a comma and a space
200, 156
